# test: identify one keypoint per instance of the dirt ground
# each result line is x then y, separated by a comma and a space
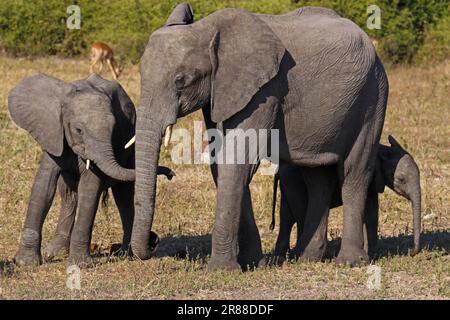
418, 116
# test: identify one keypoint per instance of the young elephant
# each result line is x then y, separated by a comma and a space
82, 128
303, 196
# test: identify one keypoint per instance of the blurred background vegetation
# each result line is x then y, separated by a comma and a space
412, 31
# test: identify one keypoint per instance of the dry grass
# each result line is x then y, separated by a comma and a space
418, 115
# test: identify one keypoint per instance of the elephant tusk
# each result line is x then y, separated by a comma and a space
88, 164
167, 136
131, 142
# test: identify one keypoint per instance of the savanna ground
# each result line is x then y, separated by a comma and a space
418, 116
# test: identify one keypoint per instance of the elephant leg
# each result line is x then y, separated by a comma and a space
284, 234
232, 182
89, 191
250, 250
60, 242
41, 198
352, 246
371, 222
358, 169
313, 241
293, 206
249, 241
123, 196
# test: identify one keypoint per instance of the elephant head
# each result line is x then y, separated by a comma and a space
219, 63
85, 115
400, 172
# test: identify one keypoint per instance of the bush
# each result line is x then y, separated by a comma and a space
436, 46
38, 27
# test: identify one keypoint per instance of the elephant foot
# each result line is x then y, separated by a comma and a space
120, 251
27, 257
276, 260
352, 256
82, 260
29, 252
252, 261
263, 262
153, 243
294, 253
312, 255
310, 258
58, 246
227, 264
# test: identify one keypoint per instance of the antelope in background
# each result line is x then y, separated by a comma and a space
101, 52
374, 42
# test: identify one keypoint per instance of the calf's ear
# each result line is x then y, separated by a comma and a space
35, 105
182, 14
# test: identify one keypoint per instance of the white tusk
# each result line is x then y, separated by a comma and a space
167, 136
88, 164
131, 142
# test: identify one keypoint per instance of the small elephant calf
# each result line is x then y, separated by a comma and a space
82, 128
306, 201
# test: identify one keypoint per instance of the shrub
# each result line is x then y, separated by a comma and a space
38, 27
436, 46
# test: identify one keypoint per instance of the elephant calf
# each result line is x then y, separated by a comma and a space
302, 197
82, 128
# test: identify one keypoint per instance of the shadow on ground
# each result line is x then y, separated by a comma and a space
198, 248
6, 268
400, 245
185, 247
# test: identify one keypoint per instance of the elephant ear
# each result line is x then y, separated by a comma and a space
35, 105
122, 106
396, 145
245, 55
183, 14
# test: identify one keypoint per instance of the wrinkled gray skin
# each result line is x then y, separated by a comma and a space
310, 73
302, 201
73, 122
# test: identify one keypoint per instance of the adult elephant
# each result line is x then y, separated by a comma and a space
310, 73
75, 124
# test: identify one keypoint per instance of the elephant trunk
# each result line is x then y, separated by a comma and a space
148, 144
416, 201
105, 160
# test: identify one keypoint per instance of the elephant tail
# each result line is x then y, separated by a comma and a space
276, 178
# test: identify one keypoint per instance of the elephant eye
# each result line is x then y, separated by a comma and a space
401, 180
79, 131
179, 81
